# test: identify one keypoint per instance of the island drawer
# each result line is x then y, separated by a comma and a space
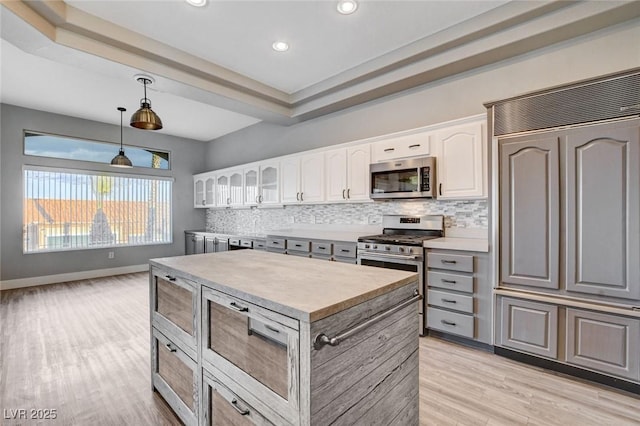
224, 407
246, 243
450, 281
452, 262
321, 248
450, 322
299, 245
450, 300
174, 305
256, 347
277, 243
344, 250
175, 377
260, 244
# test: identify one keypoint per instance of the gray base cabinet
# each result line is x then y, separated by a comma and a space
604, 342
459, 294
529, 326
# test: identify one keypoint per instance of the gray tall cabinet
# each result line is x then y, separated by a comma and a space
569, 226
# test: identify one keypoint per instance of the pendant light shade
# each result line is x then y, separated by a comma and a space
145, 118
121, 160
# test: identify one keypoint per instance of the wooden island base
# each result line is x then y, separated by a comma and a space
248, 337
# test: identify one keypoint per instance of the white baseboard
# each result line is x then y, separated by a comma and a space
71, 276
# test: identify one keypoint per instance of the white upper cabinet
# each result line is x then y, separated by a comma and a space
303, 178
236, 183
347, 173
210, 191
461, 161
199, 200
412, 145
251, 186
222, 190
269, 190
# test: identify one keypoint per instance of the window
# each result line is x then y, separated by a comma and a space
52, 146
71, 210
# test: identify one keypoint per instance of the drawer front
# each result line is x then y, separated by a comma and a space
321, 248
260, 244
255, 347
175, 377
299, 245
450, 281
450, 322
174, 306
449, 300
234, 241
277, 243
224, 407
529, 326
344, 250
452, 262
604, 342
246, 243
401, 147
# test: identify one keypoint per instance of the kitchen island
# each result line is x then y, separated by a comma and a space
249, 337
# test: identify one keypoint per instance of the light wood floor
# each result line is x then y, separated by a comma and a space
82, 348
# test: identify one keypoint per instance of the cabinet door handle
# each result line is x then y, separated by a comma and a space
445, 322
257, 199
260, 198
449, 262
170, 278
171, 348
298, 196
270, 328
321, 248
298, 245
343, 197
389, 149
449, 301
301, 196
238, 308
345, 250
275, 243
242, 411
449, 281
228, 200
348, 192
203, 202
415, 145
440, 189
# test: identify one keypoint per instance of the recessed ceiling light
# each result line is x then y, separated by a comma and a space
280, 46
197, 3
347, 7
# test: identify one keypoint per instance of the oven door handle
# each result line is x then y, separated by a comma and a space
382, 256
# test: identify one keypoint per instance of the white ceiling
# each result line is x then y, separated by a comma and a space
215, 70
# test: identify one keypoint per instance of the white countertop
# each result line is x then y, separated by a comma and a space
464, 244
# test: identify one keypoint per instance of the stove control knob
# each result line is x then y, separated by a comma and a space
387, 248
366, 246
375, 247
401, 249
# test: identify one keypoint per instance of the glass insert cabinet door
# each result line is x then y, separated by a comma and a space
235, 188
250, 187
222, 191
269, 189
257, 348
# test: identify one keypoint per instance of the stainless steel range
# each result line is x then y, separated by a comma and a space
400, 247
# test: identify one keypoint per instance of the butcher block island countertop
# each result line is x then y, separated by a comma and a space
251, 337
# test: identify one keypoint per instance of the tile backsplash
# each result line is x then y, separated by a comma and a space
457, 214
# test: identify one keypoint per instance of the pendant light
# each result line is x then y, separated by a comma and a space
145, 118
121, 160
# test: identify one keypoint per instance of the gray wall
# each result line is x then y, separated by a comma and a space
602, 52
187, 158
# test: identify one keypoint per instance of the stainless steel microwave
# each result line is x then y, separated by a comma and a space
408, 178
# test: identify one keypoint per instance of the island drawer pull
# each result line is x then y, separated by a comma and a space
322, 339
243, 412
171, 348
445, 322
345, 251
449, 281
170, 278
389, 149
449, 301
238, 308
415, 145
271, 328
452, 262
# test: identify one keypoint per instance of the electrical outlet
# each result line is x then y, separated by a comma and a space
111, 255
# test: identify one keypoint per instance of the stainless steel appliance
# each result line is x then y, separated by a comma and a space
400, 247
409, 178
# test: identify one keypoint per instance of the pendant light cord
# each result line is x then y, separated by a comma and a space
121, 129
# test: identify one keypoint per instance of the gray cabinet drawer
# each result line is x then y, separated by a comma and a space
299, 245
450, 281
246, 243
260, 244
450, 322
344, 250
234, 241
321, 248
452, 262
604, 342
449, 300
277, 243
